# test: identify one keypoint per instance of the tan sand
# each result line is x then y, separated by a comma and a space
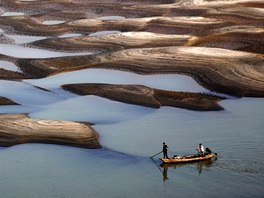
20, 129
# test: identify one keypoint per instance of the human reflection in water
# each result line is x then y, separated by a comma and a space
203, 165
200, 166
165, 174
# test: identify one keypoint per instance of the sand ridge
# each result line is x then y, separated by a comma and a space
221, 70
19, 129
146, 96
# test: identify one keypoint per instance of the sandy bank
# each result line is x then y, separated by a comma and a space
6, 101
226, 71
11, 75
242, 38
170, 25
113, 42
19, 129
146, 96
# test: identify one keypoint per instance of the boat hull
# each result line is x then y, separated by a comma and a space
186, 159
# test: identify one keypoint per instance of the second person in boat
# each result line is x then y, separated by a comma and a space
200, 150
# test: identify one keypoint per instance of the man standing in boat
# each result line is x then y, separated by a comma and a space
164, 150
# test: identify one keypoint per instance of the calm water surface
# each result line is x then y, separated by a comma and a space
123, 167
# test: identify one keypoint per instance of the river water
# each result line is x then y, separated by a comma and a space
123, 167
129, 135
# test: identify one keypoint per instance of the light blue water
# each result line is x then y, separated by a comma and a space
27, 52
13, 14
53, 22
175, 82
95, 109
123, 167
9, 66
22, 39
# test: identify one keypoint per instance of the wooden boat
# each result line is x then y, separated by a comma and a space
185, 159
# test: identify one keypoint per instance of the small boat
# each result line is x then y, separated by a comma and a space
187, 158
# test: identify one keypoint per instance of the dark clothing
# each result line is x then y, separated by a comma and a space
208, 151
165, 148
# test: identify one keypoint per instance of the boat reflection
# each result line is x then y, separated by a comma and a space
200, 166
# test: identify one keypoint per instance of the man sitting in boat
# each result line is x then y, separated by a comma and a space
207, 151
200, 150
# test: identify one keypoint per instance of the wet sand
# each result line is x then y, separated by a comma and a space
6, 101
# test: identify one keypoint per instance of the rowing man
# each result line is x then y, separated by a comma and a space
164, 150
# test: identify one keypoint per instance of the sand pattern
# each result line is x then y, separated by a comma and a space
220, 44
231, 72
19, 129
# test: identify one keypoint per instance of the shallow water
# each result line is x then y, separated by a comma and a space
125, 167
69, 35
183, 130
13, 14
20, 39
27, 52
110, 18
26, 94
52, 22
104, 33
95, 109
130, 135
160, 81
9, 66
